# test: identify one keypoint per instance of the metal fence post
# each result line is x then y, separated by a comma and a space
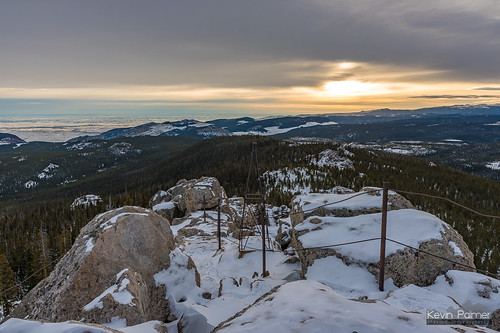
204, 209
218, 225
263, 226
383, 234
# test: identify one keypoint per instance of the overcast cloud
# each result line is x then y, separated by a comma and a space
249, 44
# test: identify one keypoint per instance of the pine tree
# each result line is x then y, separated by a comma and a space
8, 287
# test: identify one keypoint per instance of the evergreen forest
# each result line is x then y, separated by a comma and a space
38, 227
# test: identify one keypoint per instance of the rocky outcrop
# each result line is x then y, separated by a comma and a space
86, 200
395, 201
412, 267
108, 272
188, 196
404, 266
331, 158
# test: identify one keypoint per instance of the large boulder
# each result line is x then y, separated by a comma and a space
108, 273
188, 196
368, 200
356, 217
411, 267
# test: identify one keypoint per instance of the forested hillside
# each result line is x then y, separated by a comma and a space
35, 231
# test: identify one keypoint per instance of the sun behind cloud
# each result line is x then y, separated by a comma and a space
349, 88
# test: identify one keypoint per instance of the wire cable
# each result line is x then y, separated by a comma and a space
451, 201
29, 277
446, 259
336, 202
336, 245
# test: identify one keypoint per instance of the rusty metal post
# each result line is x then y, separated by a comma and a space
263, 225
204, 209
218, 225
383, 235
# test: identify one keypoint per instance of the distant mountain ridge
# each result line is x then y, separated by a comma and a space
467, 121
8, 139
187, 127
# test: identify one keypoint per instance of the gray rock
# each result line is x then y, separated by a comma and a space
292, 260
407, 267
294, 276
189, 196
495, 321
395, 201
130, 238
159, 197
192, 321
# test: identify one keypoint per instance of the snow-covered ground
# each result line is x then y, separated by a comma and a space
333, 297
310, 306
233, 282
408, 226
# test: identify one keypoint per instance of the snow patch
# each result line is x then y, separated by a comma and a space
331, 158
199, 125
493, 165
164, 205
407, 226
118, 291
109, 223
456, 249
48, 171
83, 145
287, 311
180, 281
273, 130
116, 323
86, 200
416, 299
494, 124
15, 325
89, 245
333, 272
359, 200
467, 287
160, 194
30, 184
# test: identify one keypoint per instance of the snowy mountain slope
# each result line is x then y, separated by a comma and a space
186, 127
34, 169
332, 126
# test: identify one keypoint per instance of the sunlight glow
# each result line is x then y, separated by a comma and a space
346, 65
349, 88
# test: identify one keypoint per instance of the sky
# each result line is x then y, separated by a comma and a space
227, 58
